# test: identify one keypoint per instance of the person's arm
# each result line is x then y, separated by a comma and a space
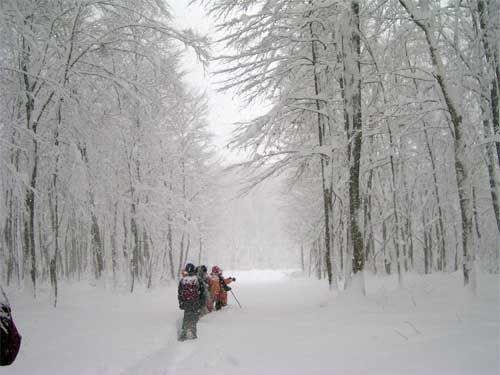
222, 282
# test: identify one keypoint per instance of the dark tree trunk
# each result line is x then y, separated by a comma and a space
355, 136
324, 162
170, 250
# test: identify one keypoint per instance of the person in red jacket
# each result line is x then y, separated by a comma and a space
213, 288
218, 286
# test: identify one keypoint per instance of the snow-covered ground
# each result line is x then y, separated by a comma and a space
287, 325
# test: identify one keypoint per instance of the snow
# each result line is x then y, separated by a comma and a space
287, 325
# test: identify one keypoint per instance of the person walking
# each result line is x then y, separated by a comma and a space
190, 294
202, 273
219, 287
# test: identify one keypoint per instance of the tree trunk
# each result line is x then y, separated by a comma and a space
368, 225
188, 246
302, 265
200, 249
476, 216
95, 235
181, 255
134, 262
442, 249
31, 125
324, 162
170, 249
352, 109
387, 259
427, 250
114, 249
459, 147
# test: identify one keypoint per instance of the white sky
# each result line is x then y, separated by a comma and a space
255, 223
225, 109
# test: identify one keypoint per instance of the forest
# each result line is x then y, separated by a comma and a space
380, 121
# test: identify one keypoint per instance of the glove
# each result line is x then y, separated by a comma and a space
234, 278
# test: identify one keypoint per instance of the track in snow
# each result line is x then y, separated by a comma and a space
298, 327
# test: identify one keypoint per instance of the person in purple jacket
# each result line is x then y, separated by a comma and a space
190, 295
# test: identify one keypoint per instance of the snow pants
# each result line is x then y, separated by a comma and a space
189, 321
221, 300
210, 302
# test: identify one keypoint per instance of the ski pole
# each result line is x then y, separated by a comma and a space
235, 298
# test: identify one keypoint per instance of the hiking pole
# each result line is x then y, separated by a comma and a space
235, 298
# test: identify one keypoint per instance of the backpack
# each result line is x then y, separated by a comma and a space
190, 288
10, 339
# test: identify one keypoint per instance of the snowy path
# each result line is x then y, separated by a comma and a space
293, 327
290, 326
266, 334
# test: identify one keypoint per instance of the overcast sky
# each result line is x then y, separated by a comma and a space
256, 221
224, 107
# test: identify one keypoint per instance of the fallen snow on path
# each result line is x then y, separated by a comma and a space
286, 325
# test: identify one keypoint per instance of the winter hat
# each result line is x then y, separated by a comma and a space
190, 268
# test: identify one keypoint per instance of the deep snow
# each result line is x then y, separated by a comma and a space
287, 325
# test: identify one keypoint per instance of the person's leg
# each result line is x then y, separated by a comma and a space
210, 302
196, 317
192, 318
203, 307
189, 324
184, 326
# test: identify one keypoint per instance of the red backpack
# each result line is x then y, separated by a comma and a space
10, 339
190, 288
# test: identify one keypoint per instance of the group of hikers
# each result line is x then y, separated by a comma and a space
199, 293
